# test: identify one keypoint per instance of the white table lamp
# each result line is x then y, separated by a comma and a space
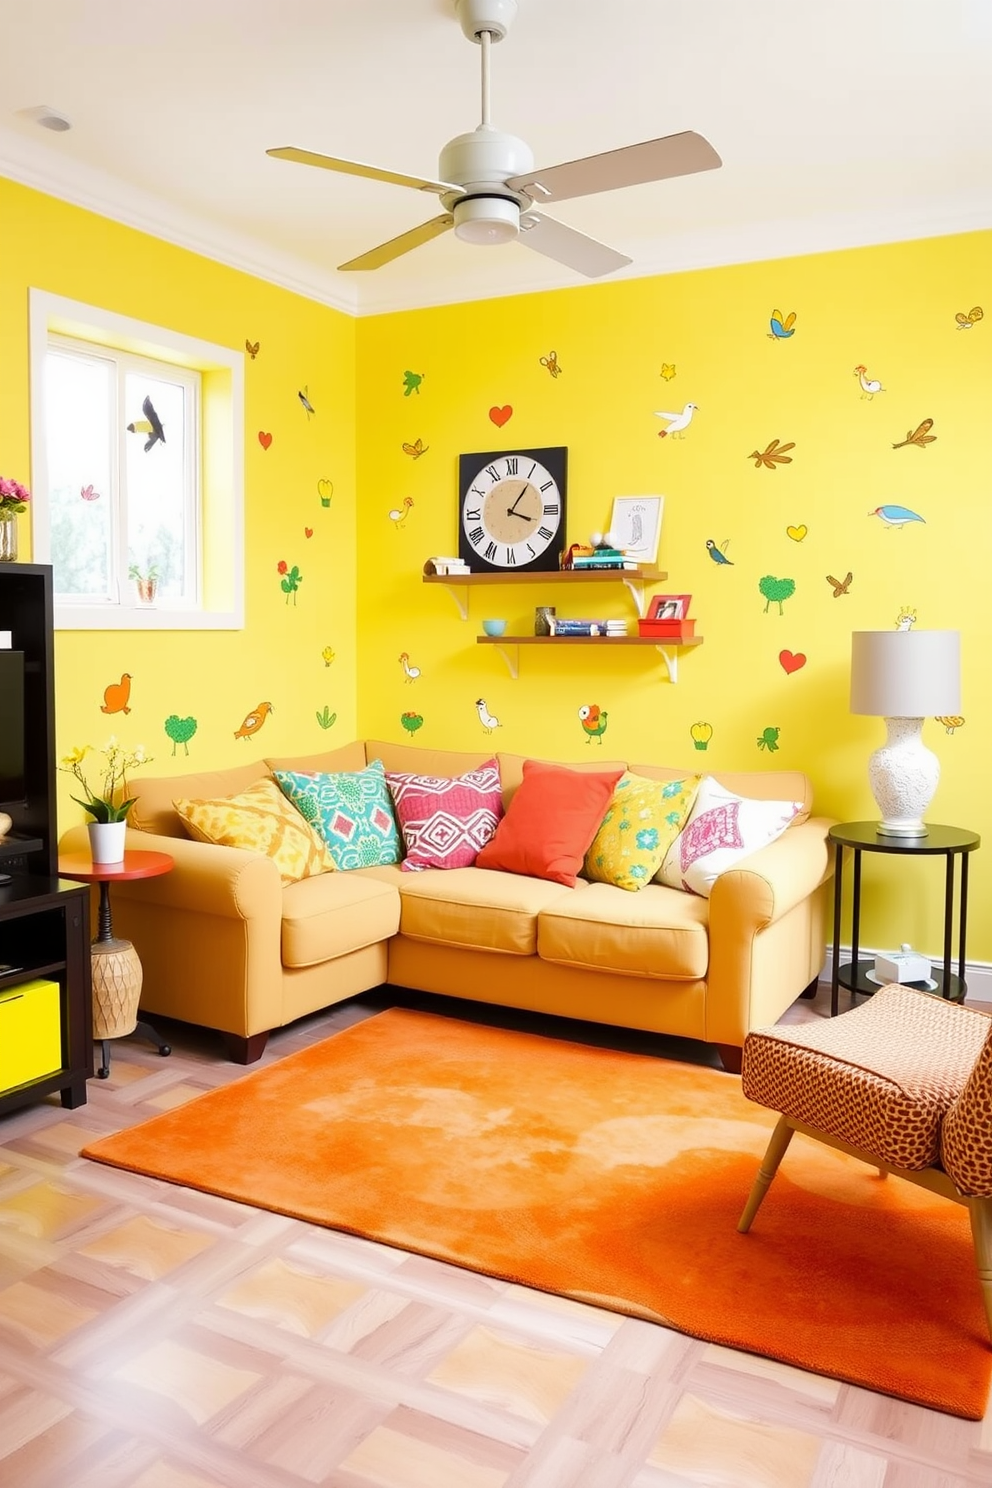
905, 676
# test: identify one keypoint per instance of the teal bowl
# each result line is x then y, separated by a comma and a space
494, 627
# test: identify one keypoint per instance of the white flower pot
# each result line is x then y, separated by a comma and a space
107, 841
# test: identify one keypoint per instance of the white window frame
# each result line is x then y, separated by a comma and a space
220, 585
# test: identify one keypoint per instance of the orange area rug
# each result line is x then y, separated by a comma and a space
613, 1178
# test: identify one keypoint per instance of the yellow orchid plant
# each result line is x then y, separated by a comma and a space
111, 803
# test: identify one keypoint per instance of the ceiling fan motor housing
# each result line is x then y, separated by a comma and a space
483, 161
494, 16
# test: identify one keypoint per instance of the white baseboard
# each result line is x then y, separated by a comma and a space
977, 975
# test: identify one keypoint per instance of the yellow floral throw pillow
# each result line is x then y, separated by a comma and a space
641, 823
262, 820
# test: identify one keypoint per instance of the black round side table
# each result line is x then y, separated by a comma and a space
946, 842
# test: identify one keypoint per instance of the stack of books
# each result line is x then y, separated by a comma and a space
603, 558
561, 627
447, 566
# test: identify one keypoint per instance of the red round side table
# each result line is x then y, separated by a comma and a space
115, 965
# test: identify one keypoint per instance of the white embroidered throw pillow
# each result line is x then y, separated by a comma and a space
721, 830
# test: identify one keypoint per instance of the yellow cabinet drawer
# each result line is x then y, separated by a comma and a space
30, 1032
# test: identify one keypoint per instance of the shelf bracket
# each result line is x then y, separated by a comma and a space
511, 655
670, 656
459, 594
634, 585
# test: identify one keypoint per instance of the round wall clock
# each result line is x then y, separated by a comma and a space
511, 510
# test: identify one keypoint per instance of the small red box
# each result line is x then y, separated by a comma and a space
668, 630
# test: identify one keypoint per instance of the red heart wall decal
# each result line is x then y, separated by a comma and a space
264, 439
792, 662
308, 532
501, 416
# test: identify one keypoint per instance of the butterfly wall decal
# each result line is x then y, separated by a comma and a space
551, 362
965, 322
251, 347
88, 493
416, 449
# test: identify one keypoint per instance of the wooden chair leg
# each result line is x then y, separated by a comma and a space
774, 1153
980, 1212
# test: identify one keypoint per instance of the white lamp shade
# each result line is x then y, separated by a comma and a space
906, 673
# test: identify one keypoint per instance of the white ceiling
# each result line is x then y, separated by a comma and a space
839, 122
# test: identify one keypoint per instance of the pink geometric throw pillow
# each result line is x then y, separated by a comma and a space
446, 821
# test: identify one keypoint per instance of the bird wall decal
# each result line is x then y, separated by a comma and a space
151, 425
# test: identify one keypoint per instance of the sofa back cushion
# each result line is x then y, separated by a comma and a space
511, 770
411, 759
329, 761
153, 809
760, 785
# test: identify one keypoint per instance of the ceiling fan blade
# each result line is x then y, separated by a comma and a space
386, 252
357, 168
654, 160
568, 246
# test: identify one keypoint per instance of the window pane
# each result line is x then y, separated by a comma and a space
80, 405
157, 509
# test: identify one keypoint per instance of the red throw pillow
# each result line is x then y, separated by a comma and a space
551, 822
445, 821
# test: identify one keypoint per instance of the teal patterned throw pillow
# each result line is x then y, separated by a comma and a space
352, 811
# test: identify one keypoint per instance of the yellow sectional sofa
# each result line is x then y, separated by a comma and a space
224, 944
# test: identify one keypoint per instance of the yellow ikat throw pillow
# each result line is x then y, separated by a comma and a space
642, 821
260, 819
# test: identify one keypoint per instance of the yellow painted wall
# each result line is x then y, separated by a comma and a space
891, 309
216, 678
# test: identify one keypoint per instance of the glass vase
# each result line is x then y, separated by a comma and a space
8, 537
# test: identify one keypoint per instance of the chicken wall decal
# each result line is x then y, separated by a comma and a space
593, 720
869, 385
487, 719
151, 425
920, 436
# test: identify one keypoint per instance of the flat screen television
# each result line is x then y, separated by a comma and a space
12, 784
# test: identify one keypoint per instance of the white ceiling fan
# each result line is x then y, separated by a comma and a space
490, 186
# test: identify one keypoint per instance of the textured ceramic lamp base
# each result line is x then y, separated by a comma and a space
903, 774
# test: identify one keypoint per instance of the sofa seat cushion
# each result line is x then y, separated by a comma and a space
478, 908
336, 913
657, 932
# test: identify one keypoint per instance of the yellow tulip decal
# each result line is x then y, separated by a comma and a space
701, 733
325, 490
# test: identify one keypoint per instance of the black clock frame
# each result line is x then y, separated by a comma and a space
554, 458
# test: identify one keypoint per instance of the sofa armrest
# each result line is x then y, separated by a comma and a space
773, 880
207, 879
209, 932
766, 931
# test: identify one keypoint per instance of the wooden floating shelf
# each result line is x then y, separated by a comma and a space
555, 576
669, 649
585, 640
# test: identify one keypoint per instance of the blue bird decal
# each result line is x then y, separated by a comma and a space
782, 326
896, 516
718, 553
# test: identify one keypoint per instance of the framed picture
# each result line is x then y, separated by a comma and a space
635, 526
668, 607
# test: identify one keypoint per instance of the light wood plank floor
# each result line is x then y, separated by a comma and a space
155, 1338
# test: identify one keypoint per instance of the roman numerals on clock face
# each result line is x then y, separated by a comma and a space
512, 509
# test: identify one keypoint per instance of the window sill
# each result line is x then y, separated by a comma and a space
145, 617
